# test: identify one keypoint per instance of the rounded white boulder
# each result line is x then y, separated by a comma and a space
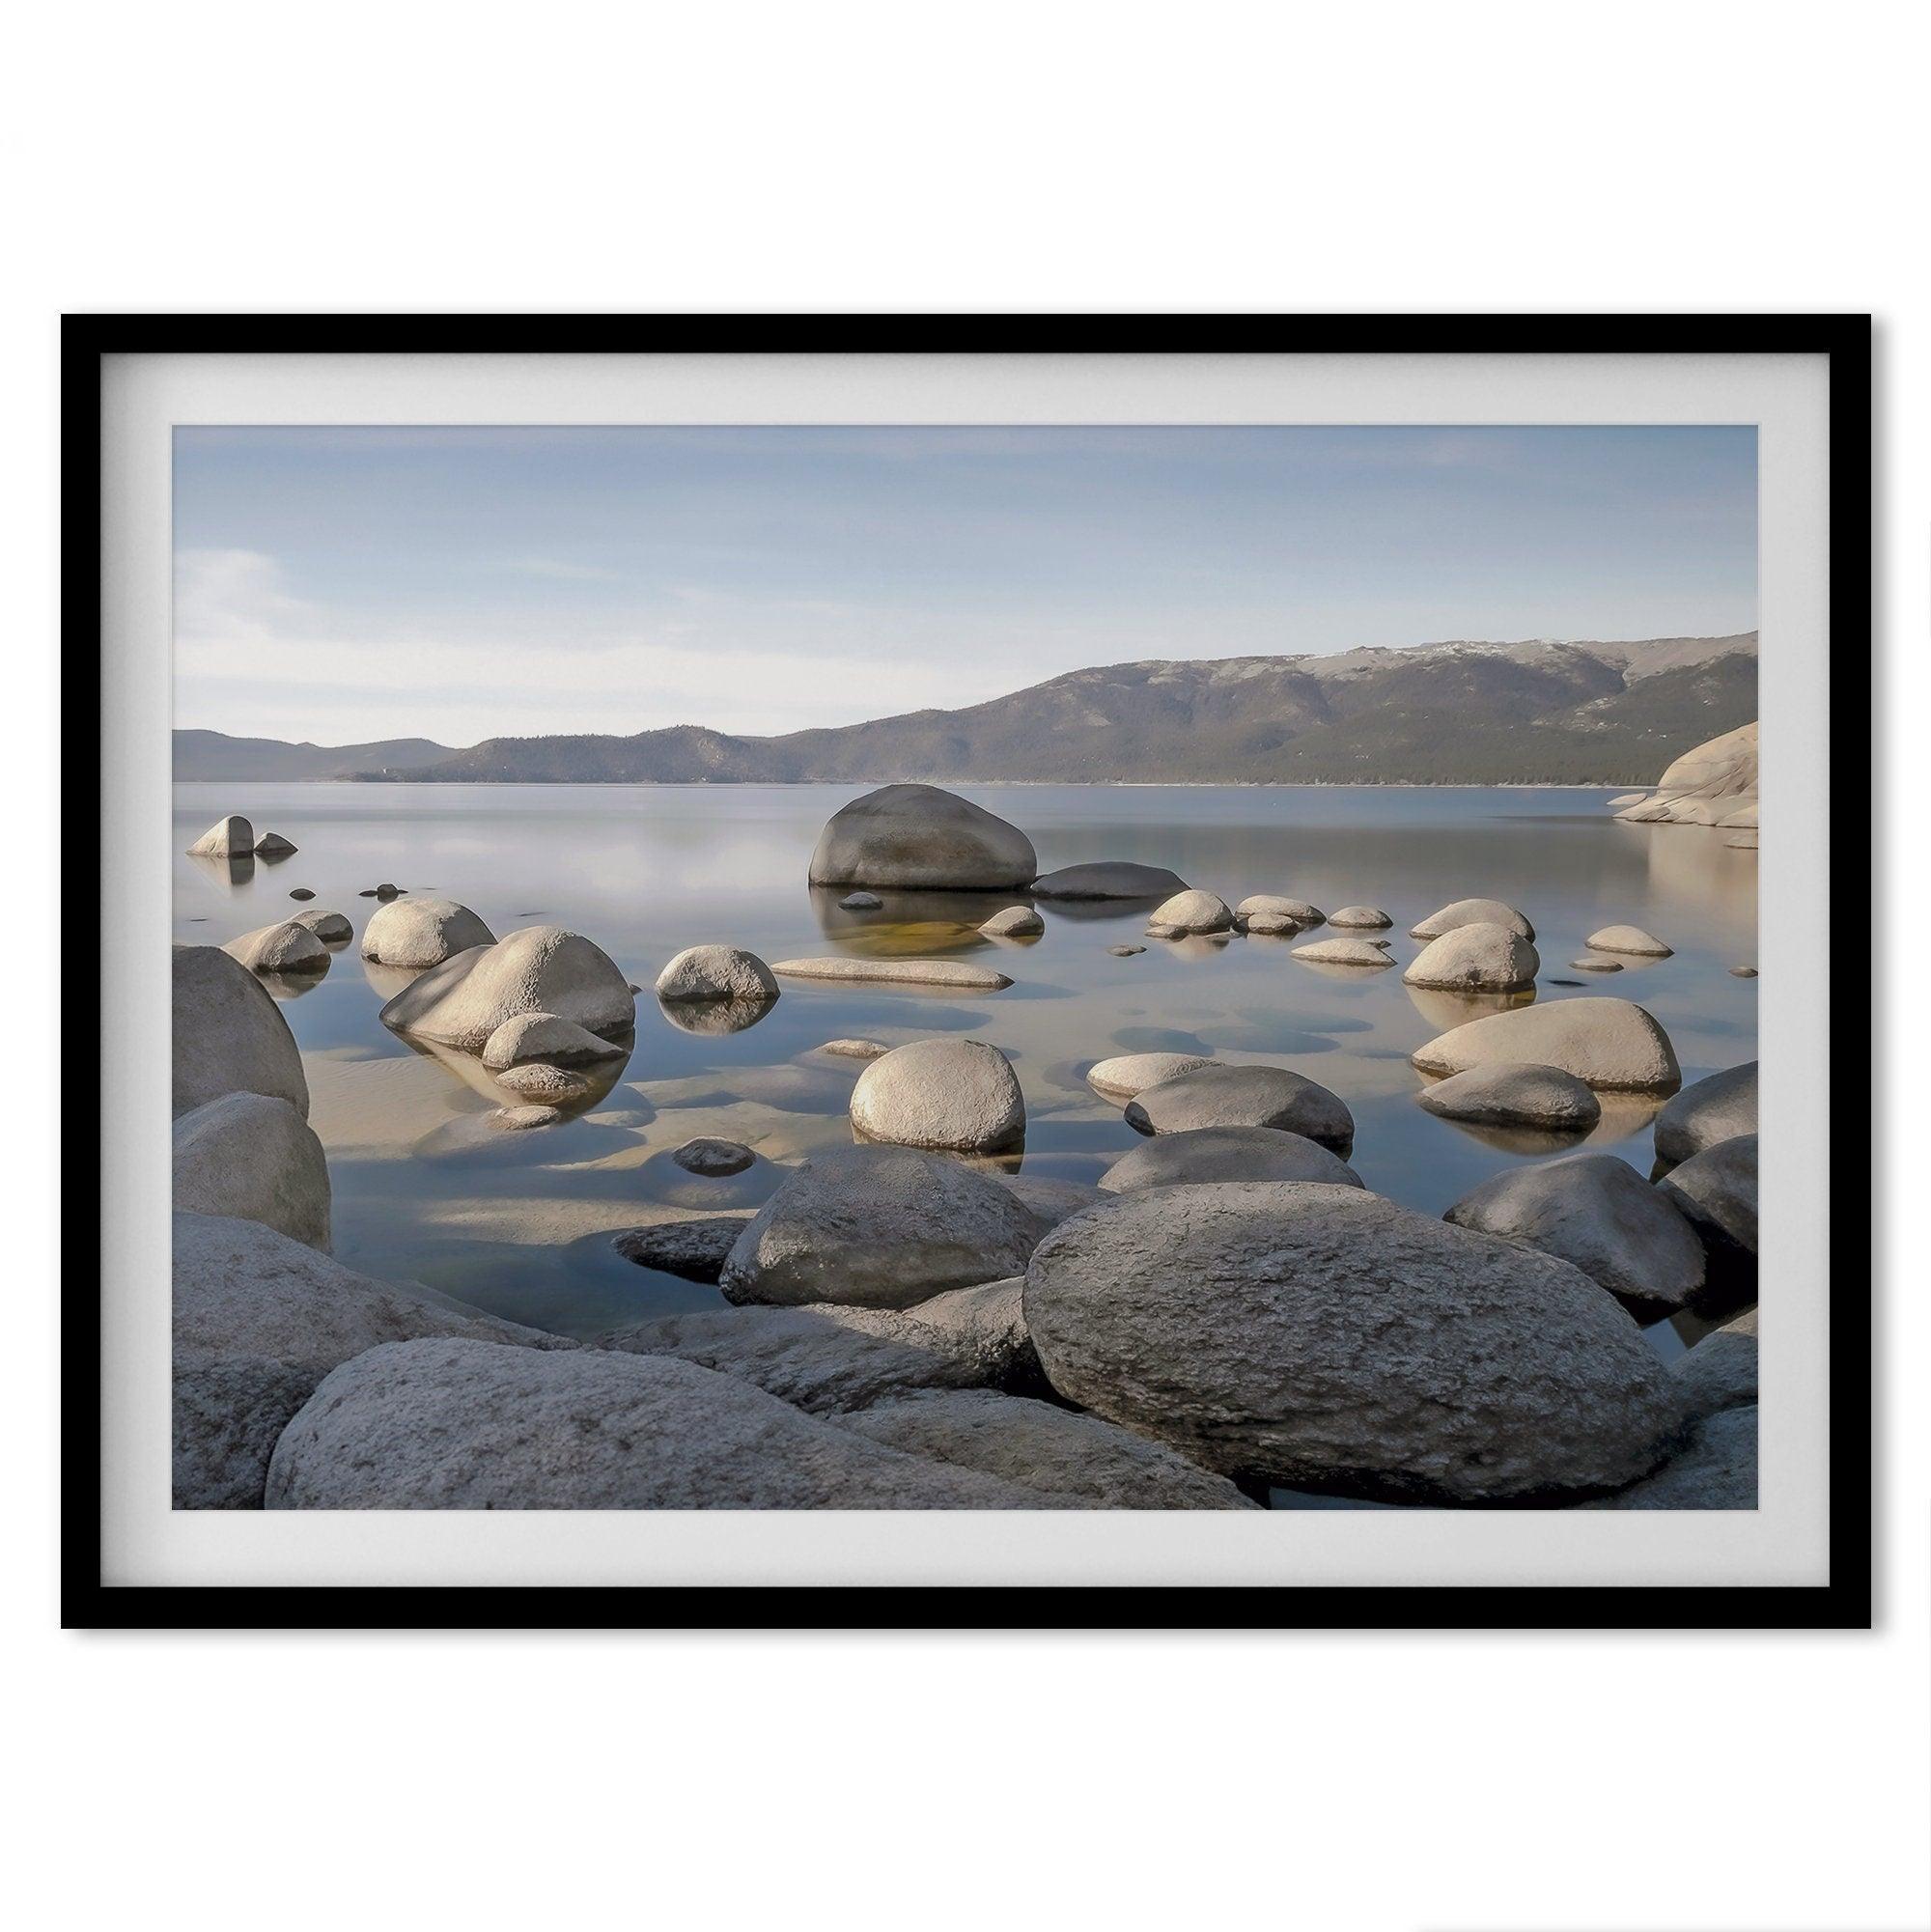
1481, 958
415, 932
540, 969
715, 972
955, 1095
1472, 913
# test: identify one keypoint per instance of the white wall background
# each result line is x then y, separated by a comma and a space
880, 157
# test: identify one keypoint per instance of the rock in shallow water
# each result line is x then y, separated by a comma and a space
860, 902
1612, 1043
855, 1050
331, 928
1371, 917
960, 1096
1476, 958
920, 837
1283, 912
1015, 922
229, 1034
1472, 913
959, 973
1125, 952
1322, 1337
693, 1248
1507, 1095
1631, 940
418, 932
529, 1037
1219, 1096
1599, 1214
1189, 911
232, 837
1345, 953
1108, 878
540, 969
1226, 1154
1707, 1112
287, 947
715, 972
1126, 1073
707, 1156
252, 1157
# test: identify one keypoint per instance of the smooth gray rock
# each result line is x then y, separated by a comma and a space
418, 932
1597, 965
1719, 1372
1126, 952
1743, 972
715, 972
960, 973
880, 1227
860, 902
1631, 940
229, 1034
1368, 953
232, 837
1123, 1076
1050, 1199
286, 946
1719, 1108
1225, 1153
1476, 958
918, 837
258, 1320
1472, 913
692, 1248
1715, 1192
1015, 922
1370, 917
1505, 1095
1191, 912
272, 845
961, 1096
523, 1119
526, 1038
855, 1050
1717, 1469
332, 928
253, 1158
1108, 878
461, 1425
301, 892
1218, 1095
1322, 1337
1042, 1446
708, 1155
539, 1083
1612, 1045
1600, 1215
1274, 907
540, 969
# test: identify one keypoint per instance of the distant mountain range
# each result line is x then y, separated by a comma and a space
1457, 714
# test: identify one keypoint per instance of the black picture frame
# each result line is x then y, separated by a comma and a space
1844, 1602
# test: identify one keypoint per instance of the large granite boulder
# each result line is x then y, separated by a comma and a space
286, 946
1225, 1153
258, 1320
461, 1425
1707, 1112
1715, 784
1108, 878
693, 1248
918, 837
880, 1227
1612, 1045
419, 931
232, 837
1124, 1076
1719, 1372
253, 1158
1472, 913
229, 1034
716, 973
1321, 1337
1476, 958
1505, 1095
1221, 1096
1715, 1192
540, 969
1040, 1445
1716, 1469
1189, 911
1600, 1215
957, 1095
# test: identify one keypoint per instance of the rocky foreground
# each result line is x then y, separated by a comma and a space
906, 1324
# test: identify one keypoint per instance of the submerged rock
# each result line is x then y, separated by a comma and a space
1478, 958
855, 1050
959, 1095
716, 973
920, 837
1368, 953
1108, 878
1599, 1214
1371, 916
460, 1425
538, 1082
540, 969
1707, 1112
1631, 940
960, 973
1597, 965
1612, 1043
523, 1119
1015, 922
880, 1227
1126, 1073
1218, 1095
287, 947
1472, 913
1226, 1154
860, 902
229, 1035
526, 1038
1505, 1095
1743, 972
330, 928
1322, 1337
232, 837
692, 1248
707, 1156
1125, 952
1189, 911
422, 932
252, 1157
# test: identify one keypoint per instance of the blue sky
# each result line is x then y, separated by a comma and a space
342, 584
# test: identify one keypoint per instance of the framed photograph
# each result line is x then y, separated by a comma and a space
967, 971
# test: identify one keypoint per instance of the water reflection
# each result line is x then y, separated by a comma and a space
1445, 1010
716, 1016
228, 872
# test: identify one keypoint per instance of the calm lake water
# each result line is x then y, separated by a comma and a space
519, 1223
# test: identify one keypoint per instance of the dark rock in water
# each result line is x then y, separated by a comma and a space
692, 1249
1743, 972
367, 892
705, 1155
1125, 952
921, 837
272, 846
388, 891
301, 892
1565, 981
1110, 879
1218, 1095
860, 902
521, 1119
1225, 1153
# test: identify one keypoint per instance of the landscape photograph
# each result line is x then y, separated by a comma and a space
964, 968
